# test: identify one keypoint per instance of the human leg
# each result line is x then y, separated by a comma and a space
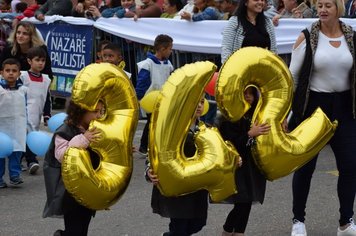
300, 187
32, 162
237, 219
195, 225
15, 168
144, 137
2, 172
76, 221
178, 227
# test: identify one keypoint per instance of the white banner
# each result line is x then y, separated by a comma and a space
202, 36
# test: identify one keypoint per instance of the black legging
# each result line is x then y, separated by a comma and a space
237, 219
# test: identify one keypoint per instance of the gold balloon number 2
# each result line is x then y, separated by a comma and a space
99, 188
277, 154
213, 165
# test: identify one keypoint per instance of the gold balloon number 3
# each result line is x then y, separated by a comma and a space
213, 165
101, 187
277, 154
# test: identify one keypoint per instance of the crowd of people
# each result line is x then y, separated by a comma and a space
320, 81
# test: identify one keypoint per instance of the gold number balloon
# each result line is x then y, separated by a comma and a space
213, 165
278, 153
101, 187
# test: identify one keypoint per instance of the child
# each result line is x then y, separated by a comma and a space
187, 213
99, 50
12, 118
251, 184
152, 74
38, 97
74, 132
112, 54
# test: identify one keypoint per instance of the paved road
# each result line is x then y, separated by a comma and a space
21, 208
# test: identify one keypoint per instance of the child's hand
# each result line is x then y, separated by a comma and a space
259, 129
239, 164
153, 177
285, 126
93, 134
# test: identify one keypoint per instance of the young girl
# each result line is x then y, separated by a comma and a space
74, 132
187, 213
251, 184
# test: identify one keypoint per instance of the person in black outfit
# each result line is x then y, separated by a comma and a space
187, 213
250, 183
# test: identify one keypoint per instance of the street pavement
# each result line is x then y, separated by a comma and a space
21, 207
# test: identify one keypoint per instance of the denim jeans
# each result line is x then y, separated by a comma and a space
336, 106
13, 165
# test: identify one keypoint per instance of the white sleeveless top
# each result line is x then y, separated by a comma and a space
331, 66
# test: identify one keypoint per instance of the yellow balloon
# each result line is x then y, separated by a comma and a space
277, 154
206, 107
148, 101
213, 165
100, 188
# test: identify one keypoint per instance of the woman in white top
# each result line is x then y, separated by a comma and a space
323, 68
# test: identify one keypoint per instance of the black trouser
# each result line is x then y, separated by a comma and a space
76, 222
144, 137
343, 143
76, 217
185, 227
237, 219
30, 156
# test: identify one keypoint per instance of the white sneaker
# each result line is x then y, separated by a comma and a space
349, 231
298, 229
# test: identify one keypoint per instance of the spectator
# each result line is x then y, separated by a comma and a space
171, 8
229, 7
350, 10
54, 7
293, 9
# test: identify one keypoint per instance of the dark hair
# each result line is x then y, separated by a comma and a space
101, 43
241, 13
11, 61
255, 93
115, 3
36, 52
162, 41
177, 3
114, 47
20, 7
75, 114
41, 2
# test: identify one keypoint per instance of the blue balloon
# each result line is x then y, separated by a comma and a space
6, 145
55, 121
38, 142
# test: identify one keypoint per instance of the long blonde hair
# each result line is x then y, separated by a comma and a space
35, 39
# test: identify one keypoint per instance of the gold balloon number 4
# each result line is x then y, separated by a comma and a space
213, 165
277, 154
100, 187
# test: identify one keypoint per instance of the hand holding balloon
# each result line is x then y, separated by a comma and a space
258, 129
154, 178
93, 134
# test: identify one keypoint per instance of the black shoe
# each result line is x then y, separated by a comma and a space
16, 180
33, 167
58, 232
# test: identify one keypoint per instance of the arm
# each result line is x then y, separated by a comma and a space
150, 11
61, 145
62, 7
42, 10
298, 54
143, 83
229, 35
209, 13
47, 108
